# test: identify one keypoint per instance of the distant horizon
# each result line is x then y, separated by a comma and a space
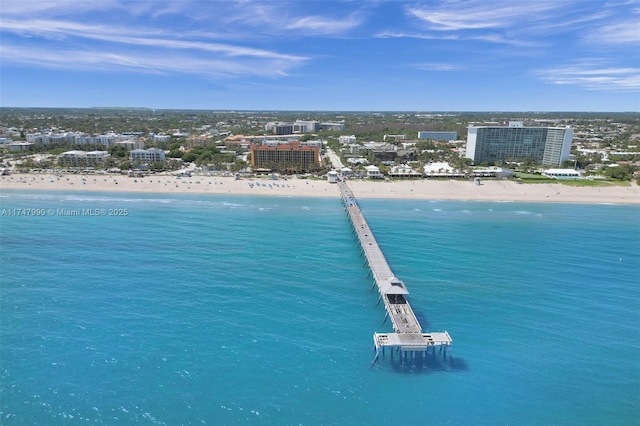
322, 55
321, 111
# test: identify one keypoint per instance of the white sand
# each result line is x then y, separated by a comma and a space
411, 189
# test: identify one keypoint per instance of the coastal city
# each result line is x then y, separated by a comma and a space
598, 148
319, 212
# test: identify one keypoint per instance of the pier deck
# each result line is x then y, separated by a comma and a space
408, 334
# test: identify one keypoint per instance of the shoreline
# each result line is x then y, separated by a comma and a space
489, 190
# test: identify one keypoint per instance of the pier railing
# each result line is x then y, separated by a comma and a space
408, 337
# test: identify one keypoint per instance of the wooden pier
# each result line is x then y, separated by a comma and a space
408, 339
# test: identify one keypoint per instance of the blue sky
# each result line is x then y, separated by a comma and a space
437, 55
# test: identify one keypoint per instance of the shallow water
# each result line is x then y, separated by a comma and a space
235, 309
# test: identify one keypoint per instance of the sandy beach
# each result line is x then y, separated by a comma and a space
489, 190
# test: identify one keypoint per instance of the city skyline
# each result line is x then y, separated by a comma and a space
334, 55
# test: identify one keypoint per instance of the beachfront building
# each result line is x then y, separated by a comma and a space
96, 158
151, 155
373, 172
441, 169
438, 136
82, 158
562, 174
73, 159
346, 172
404, 171
549, 146
492, 172
292, 156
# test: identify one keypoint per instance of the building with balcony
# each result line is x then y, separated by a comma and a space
291, 155
82, 158
549, 146
151, 155
373, 172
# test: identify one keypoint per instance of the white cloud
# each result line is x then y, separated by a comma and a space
85, 30
593, 77
21, 8
155, 38
53, 43
318, 25
474, 15
438, 66
281, 18
527, 23
488, 37
424, 36
143, 61
625, 32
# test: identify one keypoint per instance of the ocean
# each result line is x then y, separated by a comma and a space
121, 309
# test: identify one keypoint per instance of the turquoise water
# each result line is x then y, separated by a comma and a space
257, 310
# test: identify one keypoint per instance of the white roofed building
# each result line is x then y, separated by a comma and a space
346, 172
150, 155
373, 172
404, 171
78, 158
346, 140
74, 158
441, 169
493, 172
562, 174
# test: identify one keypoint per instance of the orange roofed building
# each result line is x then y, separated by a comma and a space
291, 157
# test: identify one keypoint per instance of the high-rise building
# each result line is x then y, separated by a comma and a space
292, 155
549, 146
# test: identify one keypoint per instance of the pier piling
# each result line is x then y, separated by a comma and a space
408, 337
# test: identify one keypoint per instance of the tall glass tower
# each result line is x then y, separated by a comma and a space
549, 146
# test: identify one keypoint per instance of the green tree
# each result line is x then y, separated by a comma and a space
118, 151
238, 165
190, 157
620, 172
175, 153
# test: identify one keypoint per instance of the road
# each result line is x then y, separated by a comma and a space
335, 159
